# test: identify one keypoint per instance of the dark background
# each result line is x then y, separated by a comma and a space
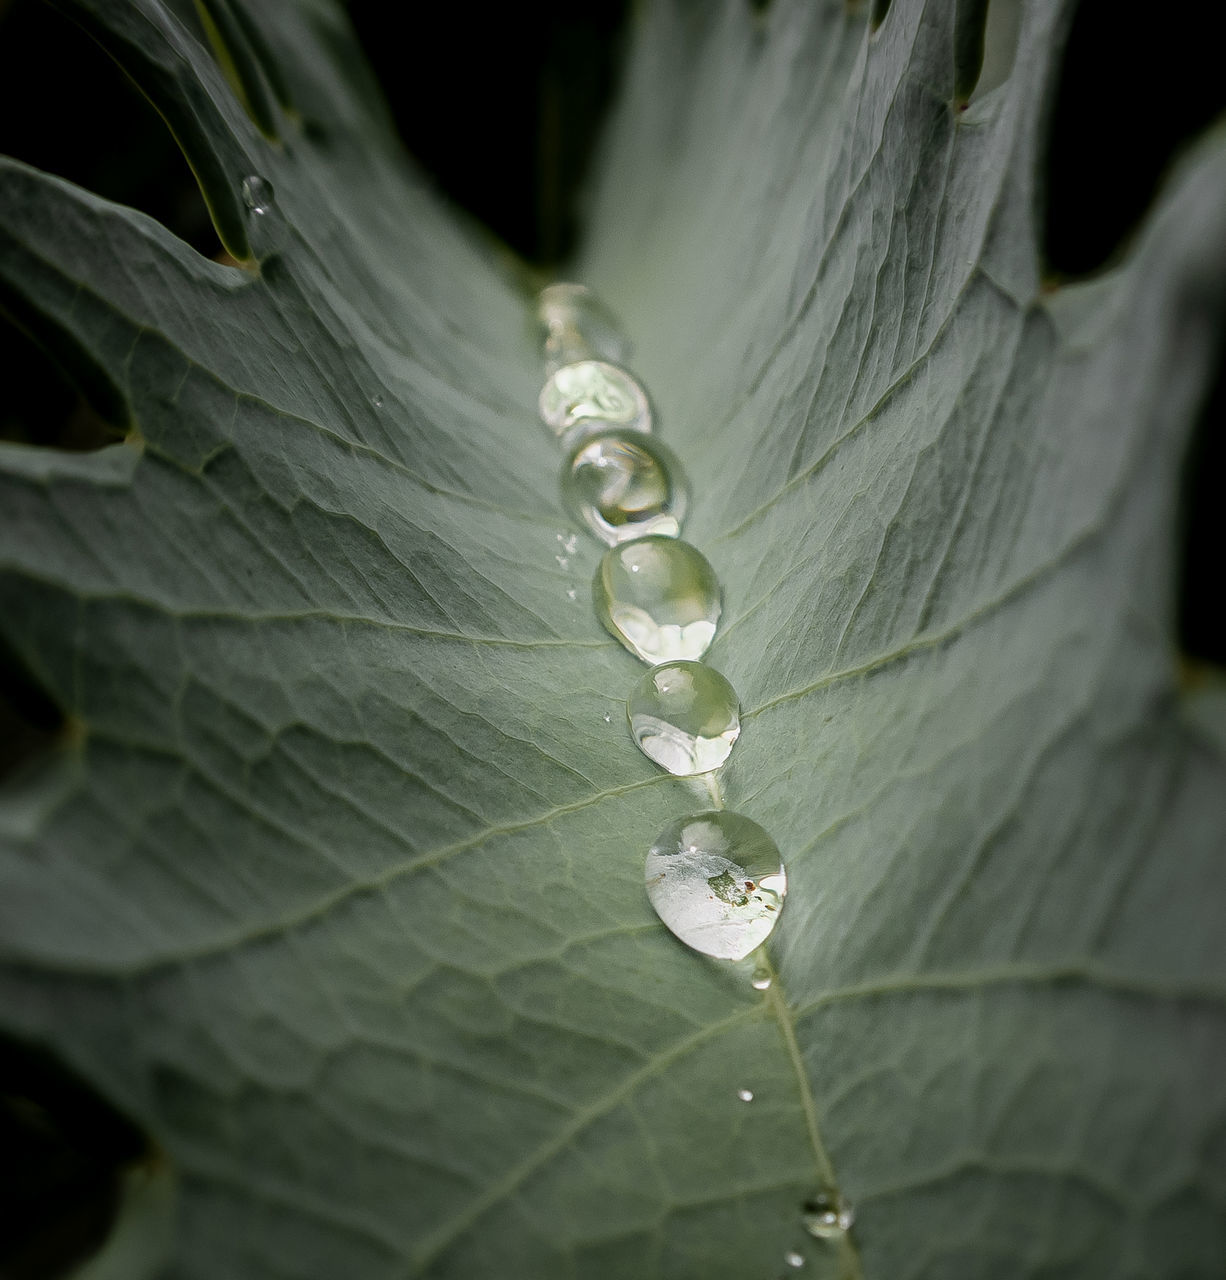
536, 78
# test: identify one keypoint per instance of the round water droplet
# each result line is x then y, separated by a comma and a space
622, 484
745, 1095
717, 881
377, 400
761, 980
571, 593
794, 1259
827, 1215
597, 394
659, 597
685, 717
576, 325
608, 718
258, 194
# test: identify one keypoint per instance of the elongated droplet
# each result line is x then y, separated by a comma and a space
622, 485
659, 597
761, 980
827, 1215
794, 1259
717, 881
258, 194
595, 393
745, 1095
685, 717
576, 325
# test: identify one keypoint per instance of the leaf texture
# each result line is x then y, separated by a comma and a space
336, 882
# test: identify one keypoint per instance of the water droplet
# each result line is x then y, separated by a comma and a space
596, 394
569, 542
745, 1095
377, 400
258, 194
607, 717
827, 1215
717, 881
659, 596
685, 717
571, 593
794, 1259
761, 980
563, 562
577, 325
622, 484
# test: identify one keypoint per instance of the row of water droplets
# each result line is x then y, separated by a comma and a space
715, 878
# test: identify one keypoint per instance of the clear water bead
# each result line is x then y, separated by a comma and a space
794, 1259
685, 717
659, 597
258, 194
622, 484
595, 395
717, 881
761, 980
576, 325
827, 1215
745, 1095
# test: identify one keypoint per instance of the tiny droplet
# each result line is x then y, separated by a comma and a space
761, 980
257, 194
745, 1095
608, 718
377, 401
563, 562
827, 1215
571, 594
794, 1259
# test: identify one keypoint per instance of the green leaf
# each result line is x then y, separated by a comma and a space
335, 883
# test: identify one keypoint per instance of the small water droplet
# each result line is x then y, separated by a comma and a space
596, 394
659, 596
827, 1215
569, 542
717, 881
258, 194
745, 1095
571, 593
684, 716
575, 324
622, 484
794, 1259
377, 400
607, 717
563, 562
761, 980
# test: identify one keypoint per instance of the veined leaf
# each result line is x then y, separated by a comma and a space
336, 882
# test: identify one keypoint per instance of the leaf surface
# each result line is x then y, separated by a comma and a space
336, 881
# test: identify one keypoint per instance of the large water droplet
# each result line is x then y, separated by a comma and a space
659, 597
761, 980
258, 194
745, 1095
622, 485
827, 1215
576, 325
685, 717
717, 881
596, 394
794, 1259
